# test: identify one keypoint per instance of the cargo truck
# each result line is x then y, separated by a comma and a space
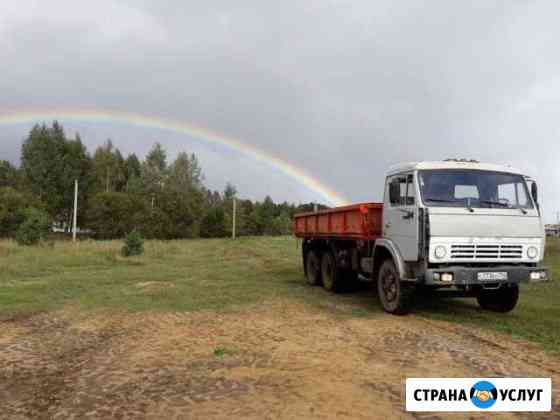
456, 228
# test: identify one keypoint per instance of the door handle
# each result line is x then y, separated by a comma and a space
407, 214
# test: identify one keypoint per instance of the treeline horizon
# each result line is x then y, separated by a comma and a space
118, 194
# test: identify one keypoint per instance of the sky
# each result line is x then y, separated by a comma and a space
340, 89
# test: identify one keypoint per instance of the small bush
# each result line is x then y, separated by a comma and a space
35, 227
133, 244
13, 207
220, 352
112, 215
213, 224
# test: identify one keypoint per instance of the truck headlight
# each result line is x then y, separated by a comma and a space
447, 277
440, 251
532, 252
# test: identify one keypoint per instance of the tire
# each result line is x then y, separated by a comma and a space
333, 277
395, 296
501, 300
313, 268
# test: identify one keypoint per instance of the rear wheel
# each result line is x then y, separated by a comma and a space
502, 300
333, 277
313, 268
395, 297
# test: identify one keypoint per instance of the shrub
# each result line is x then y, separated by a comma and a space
280, 225
35, 227
172, 216
213, 224
111, 215
155, 224
13, 207
133, 244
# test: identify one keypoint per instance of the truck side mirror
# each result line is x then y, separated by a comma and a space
535, 193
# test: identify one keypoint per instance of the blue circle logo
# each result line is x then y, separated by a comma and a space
484, 394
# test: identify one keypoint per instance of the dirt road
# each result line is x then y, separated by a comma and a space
275, 360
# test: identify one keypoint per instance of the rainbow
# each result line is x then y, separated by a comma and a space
198, 133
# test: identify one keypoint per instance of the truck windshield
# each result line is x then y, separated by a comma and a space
473, 189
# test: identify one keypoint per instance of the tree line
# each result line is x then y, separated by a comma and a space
118, 194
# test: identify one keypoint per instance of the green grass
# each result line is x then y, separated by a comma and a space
220, 352
536, 317
176, 276
225, 275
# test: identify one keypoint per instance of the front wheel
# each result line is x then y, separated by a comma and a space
395, 297
502, 300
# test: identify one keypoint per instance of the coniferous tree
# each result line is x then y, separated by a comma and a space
77, 167
132, 171
51, 163
229, 195
117, 194
108, 168
185, 174
154, 173
247, 218
43, 166
184, 185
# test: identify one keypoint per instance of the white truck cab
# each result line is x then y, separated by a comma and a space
467, 226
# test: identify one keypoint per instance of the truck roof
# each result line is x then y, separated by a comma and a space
452, 164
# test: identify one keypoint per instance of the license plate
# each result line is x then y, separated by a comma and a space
493, 276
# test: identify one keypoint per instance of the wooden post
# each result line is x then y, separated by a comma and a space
107, 181
75, 221
233, 233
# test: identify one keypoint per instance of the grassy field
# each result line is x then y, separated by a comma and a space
536, 317
225, 275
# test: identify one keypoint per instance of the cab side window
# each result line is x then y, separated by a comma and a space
410, 193
401, 190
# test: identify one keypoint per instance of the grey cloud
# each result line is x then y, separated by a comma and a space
340, 88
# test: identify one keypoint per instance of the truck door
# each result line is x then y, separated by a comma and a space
400, 215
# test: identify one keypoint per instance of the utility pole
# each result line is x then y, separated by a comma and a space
107, 181
75, 221
234, 217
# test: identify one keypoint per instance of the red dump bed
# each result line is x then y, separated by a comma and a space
357, 221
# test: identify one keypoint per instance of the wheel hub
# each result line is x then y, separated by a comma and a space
389, 287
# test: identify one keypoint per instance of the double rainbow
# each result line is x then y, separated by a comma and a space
194, 132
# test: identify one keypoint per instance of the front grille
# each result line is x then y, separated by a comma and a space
486, 251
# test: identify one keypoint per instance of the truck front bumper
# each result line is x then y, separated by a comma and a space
484, 276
